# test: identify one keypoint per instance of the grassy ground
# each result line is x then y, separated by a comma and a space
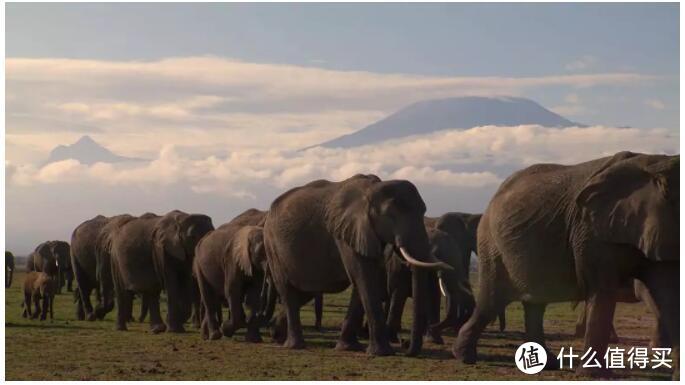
78, 350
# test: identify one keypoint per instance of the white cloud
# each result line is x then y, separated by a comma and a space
582, 63
456, 158
655, 104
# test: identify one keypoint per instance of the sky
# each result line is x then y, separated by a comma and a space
220, 97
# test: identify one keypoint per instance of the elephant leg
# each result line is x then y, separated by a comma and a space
84, 308
36, 306
367, 277
662, 282
433, 335
144, 309
292, 300
398, 298
211, 305
600, 314
494, 294
502, 320
124, 308
46, 307
533, 314
234, 294
252, 300
351, 325
27, 306
318, 310
156, 323
581, 321
196, 314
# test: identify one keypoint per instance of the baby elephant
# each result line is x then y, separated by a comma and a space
37, 286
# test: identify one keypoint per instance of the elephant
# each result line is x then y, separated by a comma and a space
152, 253
39, 286
91, 262
9, 268
47, 258
453, 284
635, 291
464, 228
324, 235
555, 233
230, 265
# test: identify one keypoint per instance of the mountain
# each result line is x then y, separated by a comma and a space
455, 113
86, 151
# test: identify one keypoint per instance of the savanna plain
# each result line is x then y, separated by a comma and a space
67, 349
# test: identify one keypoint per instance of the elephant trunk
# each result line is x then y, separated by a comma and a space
420, 312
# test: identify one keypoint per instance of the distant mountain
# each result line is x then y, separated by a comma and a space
456, 113
86, 151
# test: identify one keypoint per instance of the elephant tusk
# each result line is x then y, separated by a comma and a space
430, 265
442, 287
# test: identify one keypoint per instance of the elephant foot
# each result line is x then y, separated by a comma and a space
434, 336
91, 317
466, 355
392, 337
380, 350
278, 335
228, 329
594, 372
158, 328
176, 329
120, 327
253, 337
613, 337
215, 335
317, 327
294, 343
141, 320
552, 362
349, 346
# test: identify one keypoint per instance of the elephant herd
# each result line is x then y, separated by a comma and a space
551, 233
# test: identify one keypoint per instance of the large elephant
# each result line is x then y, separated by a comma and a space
556, 233
323, 235
230, 265
91, 262
9, 268
153, 253
453, 284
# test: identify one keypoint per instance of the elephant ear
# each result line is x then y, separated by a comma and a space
626, 204
245, 242
348, 219
168, 238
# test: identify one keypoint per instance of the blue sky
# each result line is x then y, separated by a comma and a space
219, 96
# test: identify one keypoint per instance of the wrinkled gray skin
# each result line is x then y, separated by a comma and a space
556, 233
150, 254
230, 265
39, 286
53, 258
9, 268
91, 262
455, 283
323, 235
633, 292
